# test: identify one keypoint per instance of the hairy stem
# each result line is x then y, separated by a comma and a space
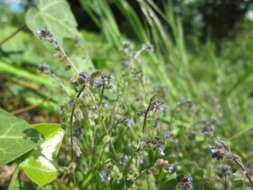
146, 114
71, 120
68, 59
102, 94
225, 182
245, 171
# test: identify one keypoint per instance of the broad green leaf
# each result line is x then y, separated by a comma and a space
39, 167
17, 137
56, 16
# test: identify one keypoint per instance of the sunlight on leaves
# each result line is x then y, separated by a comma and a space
40, 167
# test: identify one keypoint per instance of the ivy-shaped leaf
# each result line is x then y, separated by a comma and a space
17, 137
39, 167
56, 16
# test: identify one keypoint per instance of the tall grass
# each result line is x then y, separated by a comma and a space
198, 74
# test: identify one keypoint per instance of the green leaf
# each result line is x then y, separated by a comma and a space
39, 167
17, 137
56, 16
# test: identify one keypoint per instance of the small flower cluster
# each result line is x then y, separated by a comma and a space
155, 105
216, 153
221, 150
96, 79
185, 181
158, 166
45, 35
78, 130
118, 125
224, 170
206, 126
44, 68
105, 175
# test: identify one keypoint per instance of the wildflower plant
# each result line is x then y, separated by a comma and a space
121, 129
118, 136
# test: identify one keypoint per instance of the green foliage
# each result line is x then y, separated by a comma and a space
146, 126
17, 137
39, 167
56, 16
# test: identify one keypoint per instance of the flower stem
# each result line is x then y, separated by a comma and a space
146, 114
71, 120
245, 171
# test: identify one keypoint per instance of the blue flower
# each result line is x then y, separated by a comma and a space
215, 153
168, 135
102, 175
83, 76
161, 149
129, 121
98, 83
129, 144
157, 102
190, 178
126, 157
105, 175
211, 150
172, 167
127, 63
77, 130
162, 154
